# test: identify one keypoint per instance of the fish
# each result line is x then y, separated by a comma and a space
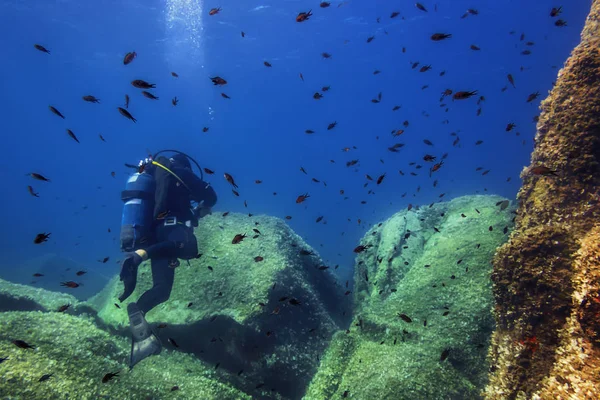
243, 34
317, 96
303, 16
267, 64
2, 359
32, 192
70, 284
209, 171
542, 170
45, 377
82, 272
129, 57
41, 238
174, 74
218, 81
214, 11
560, 23
532, 97
140, 84
174, 101
555, 12
173, 342
420, 7
38, 177
436, 37
301, 198
474, 47
109, 376
205, 129
444, 355
149, 95
63, 308
72, 135
463, 95
41, 48
258, 259
91, 99
361, 248
238, 238
324, 4
126, 114
126, 101
511, 80
325, 55
225, 96
38, 275
331, 125
22, 344
503, 204
380, 179
405, 318
370, 39
229, 179
55, 111
394, 14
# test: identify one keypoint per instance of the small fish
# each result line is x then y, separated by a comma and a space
303, 16
258, 259
55, 111
173, 342
474, 47
324, 4
22, 344
209, 171
140, 84
41, 238
82, 272
555, 12
301, 198
174, 101
542, 170
267, 64
420, 7
129, 57
243, 34
331, 125
405, 318
463, 95
325, 55
38, 275
41, 48
218, 81
109, 376
72, 135
102, 138
32, 192
126, 101
511, 80
70, 284
436, 37
229, 179
444, 355
225, 96
532, 97
63, 308
214, 11
238, 238
45, 377
174, 74
149, 95
126, 114
560, 23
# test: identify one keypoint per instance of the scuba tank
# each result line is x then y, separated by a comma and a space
138, 210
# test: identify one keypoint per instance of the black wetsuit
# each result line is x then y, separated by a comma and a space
174, 226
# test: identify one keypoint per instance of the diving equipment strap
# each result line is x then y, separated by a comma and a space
172, 173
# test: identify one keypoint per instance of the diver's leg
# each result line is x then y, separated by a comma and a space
144, 342
162, 278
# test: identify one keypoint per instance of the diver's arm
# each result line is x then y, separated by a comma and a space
201, 191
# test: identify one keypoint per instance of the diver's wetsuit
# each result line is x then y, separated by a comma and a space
174, 232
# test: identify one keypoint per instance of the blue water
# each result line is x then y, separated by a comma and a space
259, 132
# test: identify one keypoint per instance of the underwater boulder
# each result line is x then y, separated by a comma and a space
266, 306
423, 305
17, 297
70, 356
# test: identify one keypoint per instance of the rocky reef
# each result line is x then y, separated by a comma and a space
547, 277
423, 306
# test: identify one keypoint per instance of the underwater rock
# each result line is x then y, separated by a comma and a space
77, 355
547, 277
16, 297
423, 298
270, 316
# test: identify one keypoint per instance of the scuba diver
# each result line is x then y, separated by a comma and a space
158, 224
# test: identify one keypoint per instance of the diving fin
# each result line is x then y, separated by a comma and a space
144, 342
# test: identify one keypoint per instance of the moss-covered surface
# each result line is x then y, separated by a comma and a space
16, 297
440, 282
79, 355
547, 277
216, 313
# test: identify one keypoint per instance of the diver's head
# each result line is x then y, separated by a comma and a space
181, 161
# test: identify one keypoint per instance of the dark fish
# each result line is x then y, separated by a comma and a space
109, 376
174, 101
149, 95
126, 114
173, 342
225, 96
32, 192
444, 355
420, 7
218, 81
41, 48
129, 57
555, 12
126, 101
38, 177
45, 377
41, 238
174, 74
55, 111
140, 84
331, 125
238, 238
72, 135
267, 64
542, 170
79, 273
91, 99
463, 95
229, 179
70, 284
22, 344
405, 318
436, 37
63, 308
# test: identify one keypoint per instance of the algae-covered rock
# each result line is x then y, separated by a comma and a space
16, 297
78, 355
270, 316
424, 302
